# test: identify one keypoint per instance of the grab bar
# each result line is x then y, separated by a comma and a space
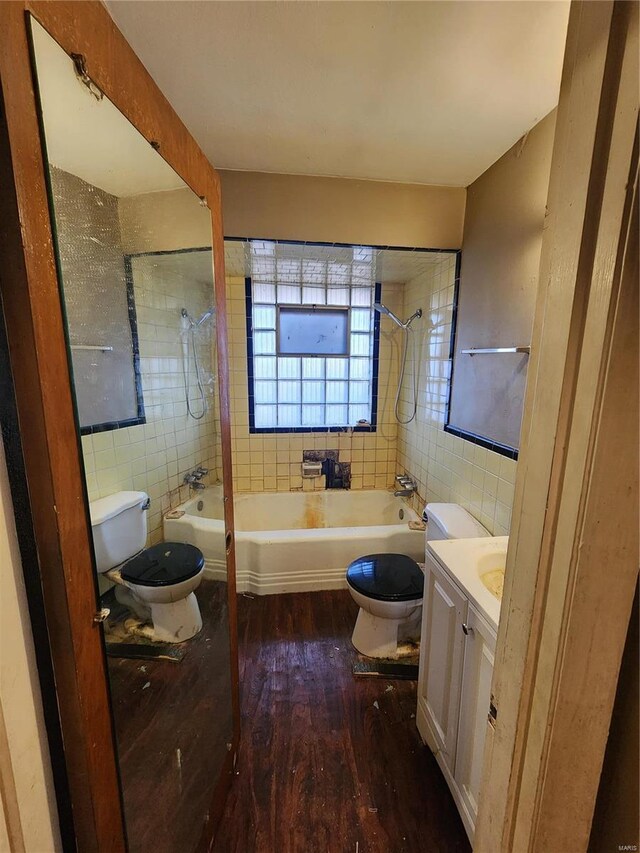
493, 350
89, 347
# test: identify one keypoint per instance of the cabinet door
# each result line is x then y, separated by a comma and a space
480, 646
442, 650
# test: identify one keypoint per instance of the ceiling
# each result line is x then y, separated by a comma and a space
90, 138
422, 92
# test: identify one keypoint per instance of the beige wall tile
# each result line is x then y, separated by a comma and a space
154, 457
447, 468
287, 447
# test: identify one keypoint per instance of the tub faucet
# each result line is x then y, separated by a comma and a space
408, 484
193, 479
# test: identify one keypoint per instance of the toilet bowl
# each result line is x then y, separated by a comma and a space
388, 590
388, 587
156, 584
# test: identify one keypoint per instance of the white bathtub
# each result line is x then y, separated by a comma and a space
297, 541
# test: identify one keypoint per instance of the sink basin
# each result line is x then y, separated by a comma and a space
490, 568
494, 582
477, 566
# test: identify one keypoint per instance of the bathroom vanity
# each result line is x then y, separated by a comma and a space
461, 609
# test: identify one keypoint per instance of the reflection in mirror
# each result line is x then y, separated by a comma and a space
100, 306
133, 246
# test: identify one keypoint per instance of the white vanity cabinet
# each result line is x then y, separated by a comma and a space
479, 651
444, 609
454, 685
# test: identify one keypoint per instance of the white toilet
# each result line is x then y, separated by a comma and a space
388, 588
157, 584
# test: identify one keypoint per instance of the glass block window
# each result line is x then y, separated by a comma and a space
312, 390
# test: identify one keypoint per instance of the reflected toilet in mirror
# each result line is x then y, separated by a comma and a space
156, 585
135, 267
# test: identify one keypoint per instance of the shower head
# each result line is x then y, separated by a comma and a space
382, 309
204, 317
194, 324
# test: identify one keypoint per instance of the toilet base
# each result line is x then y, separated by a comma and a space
378, 637
161, 621
176, 621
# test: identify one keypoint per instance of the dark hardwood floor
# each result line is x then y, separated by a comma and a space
172, 722
327, 763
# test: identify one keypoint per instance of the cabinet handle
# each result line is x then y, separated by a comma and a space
467, 629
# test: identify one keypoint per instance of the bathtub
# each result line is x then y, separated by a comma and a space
296, 541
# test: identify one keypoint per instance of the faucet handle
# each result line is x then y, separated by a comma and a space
407, 482
201, 472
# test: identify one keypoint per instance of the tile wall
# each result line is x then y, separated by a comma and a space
447, 468
155, 456
264, 462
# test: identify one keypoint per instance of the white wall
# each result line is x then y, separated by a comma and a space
341, 210
28, 819
503, 229
499, 273
447, 468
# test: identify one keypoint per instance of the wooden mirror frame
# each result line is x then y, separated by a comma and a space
44, 400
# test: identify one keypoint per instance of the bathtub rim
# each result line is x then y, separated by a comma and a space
297, 576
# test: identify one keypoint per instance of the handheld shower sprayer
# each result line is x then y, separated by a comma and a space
190, 323
382, 309
204, 317
189, 329
406, 327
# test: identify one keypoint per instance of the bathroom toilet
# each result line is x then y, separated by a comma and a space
157, 584
388, 587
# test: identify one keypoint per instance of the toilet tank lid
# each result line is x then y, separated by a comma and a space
105, 508
454, 521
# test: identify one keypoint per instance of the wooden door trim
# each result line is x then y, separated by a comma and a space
37, 349
549, 580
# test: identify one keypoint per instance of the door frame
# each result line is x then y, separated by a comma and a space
568, 462
564, 623
32, 310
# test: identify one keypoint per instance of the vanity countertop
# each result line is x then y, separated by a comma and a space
467, 562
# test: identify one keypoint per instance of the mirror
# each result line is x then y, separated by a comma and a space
133, 246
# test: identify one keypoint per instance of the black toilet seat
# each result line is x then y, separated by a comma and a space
386, 577
165, 564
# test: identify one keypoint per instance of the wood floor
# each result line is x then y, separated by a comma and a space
173, 722
327, 763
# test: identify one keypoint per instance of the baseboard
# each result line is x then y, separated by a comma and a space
300, 580
215, 570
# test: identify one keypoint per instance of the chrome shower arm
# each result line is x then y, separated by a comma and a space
382, 309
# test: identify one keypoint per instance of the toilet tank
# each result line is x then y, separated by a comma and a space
119, 527
451, 521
